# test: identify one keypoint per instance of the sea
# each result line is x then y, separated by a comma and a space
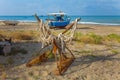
101, 20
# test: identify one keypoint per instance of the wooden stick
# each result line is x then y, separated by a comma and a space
70, 25
43, 26
37, 18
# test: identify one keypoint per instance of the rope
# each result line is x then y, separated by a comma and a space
47, 37
68, 37
45, 34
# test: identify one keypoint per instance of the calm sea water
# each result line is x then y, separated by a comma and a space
103, 20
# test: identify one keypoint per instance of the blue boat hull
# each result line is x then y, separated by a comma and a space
58, 23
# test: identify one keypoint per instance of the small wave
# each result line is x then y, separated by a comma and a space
98, 23
26, 21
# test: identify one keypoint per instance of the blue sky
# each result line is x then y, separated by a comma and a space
72, 7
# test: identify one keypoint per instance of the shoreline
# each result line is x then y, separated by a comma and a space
99, 23
81, 22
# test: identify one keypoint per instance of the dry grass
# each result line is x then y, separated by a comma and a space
91, 38
114, 51
85, 51
88, 38
19, 34
112, 37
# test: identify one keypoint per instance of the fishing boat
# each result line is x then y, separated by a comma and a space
58, 20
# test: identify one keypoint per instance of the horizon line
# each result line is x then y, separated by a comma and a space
68, 15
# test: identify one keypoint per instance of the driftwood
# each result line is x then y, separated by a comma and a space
63, 65
63, 61
58, 48
42, 56
12, 23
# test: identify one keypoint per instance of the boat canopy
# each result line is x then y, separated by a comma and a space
57, 14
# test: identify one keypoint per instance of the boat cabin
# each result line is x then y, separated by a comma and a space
58, 19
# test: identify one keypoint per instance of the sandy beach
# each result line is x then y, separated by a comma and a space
93, 61
83, 28
99, 29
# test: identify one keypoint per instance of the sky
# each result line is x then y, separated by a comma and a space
71, 7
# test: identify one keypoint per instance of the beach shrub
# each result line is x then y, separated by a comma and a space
22, 36
19, 35
77, 36
92, 38
5, 33
114, 51
88, 38
97, 39
113, 37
